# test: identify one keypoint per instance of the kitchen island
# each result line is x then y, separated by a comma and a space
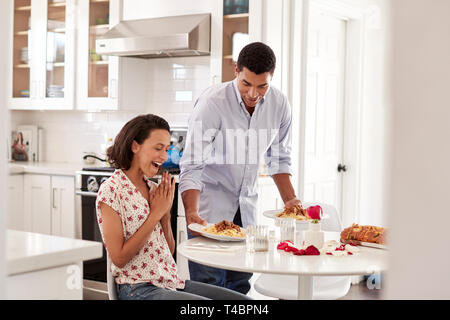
42, 266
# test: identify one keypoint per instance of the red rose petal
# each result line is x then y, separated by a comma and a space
312, 251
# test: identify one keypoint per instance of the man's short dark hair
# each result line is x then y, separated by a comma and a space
257, 57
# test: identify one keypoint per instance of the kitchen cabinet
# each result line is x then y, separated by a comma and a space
37, 203
49, 204
106, 82
240, 23
16, 219
42, 72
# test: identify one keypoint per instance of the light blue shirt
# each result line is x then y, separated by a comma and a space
225, 145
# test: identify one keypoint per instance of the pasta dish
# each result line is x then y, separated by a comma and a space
296, 212
225, 228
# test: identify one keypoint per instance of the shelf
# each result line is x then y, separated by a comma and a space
24, 8
22, 66
99, 26
230, 56
99, 29
101, 63
236, 16
99, 1
57, 4
57, 64
57, 30
21, 33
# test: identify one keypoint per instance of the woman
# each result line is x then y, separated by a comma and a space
134, 218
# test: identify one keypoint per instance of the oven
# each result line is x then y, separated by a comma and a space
94, 271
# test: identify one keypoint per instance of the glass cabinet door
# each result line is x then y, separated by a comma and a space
55, 48
21, 49
98, 64
235, 34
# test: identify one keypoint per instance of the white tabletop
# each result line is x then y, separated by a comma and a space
367, 261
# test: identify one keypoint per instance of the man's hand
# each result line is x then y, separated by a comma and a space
293, 202
193, 217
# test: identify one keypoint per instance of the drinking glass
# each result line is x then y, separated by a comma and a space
250, 238
287, 229
257, 238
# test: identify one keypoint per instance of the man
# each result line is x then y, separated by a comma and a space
232, 126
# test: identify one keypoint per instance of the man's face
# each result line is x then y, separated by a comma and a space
252, 86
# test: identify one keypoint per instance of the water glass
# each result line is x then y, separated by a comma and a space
250, 238
287, 229
257, 238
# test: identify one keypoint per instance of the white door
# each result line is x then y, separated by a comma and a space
324, 109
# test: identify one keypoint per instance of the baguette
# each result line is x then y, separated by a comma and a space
357, 233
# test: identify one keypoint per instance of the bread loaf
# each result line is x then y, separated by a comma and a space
357, 233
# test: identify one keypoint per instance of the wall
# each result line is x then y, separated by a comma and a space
5, 25
374, 113
419, 175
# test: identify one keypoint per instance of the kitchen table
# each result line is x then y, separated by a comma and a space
235, 257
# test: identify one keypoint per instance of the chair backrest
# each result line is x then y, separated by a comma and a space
111, 283
333, 221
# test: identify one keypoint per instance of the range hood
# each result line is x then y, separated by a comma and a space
176, 36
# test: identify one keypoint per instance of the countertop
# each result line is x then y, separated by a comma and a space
27, 251
53, 168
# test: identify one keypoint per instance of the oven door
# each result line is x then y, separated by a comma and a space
94, 270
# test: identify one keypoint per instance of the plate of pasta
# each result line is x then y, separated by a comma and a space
296, 212
222, 231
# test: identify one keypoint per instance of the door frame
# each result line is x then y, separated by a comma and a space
357, 26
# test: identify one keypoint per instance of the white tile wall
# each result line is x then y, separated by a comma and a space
67, 134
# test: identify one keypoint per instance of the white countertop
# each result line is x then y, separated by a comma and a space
27, 251
53, 168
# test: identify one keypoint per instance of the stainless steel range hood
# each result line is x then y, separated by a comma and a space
176, 36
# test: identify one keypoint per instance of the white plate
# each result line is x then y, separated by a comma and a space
272, 214
199, 228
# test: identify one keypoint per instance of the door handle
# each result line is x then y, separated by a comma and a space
54, 190
341, 167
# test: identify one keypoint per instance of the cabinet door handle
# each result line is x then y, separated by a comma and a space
53, 198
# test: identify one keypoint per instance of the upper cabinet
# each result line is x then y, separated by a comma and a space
43, 43
45, 51
106, 82
240, 24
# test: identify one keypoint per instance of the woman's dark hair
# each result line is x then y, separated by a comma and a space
120, 155
257, 57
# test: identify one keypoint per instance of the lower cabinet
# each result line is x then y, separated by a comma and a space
16, 218
49, 204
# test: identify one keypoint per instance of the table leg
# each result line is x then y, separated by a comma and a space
305, 287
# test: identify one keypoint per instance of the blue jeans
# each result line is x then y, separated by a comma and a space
234, 280
193, 291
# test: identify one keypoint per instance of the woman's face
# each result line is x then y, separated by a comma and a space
151, 154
